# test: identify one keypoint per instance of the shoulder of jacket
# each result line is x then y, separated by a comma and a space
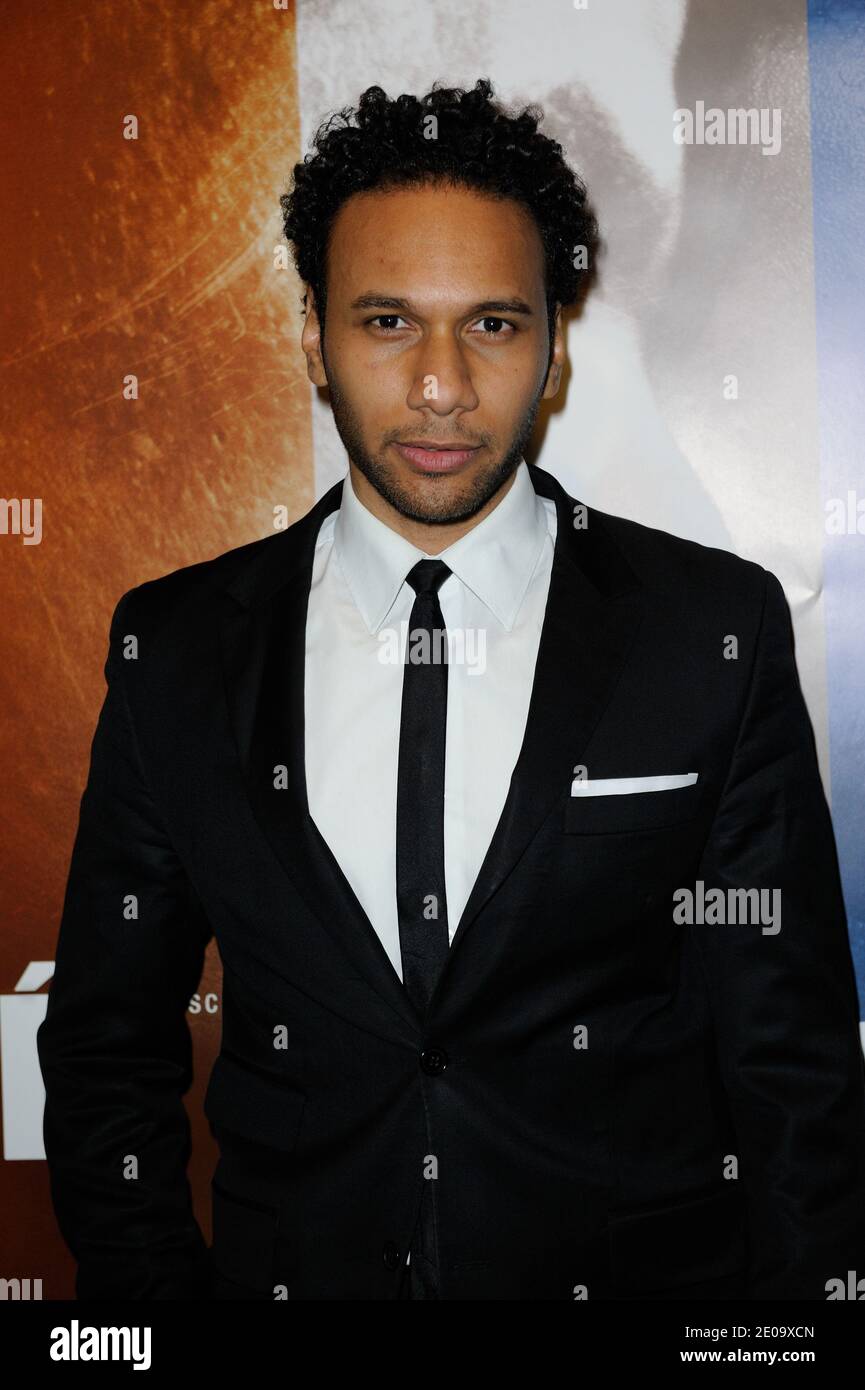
192, 589
665, 561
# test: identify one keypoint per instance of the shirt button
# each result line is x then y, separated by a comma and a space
390, 1254
433, 1060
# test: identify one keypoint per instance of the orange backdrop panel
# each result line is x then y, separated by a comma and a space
150, 258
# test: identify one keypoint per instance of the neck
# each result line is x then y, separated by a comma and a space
431, 539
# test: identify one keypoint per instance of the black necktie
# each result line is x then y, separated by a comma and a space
420, 855
420, 800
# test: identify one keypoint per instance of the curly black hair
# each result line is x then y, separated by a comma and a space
472, 141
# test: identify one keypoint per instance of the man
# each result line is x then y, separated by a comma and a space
537, 982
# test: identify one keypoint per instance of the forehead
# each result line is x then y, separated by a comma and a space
435, 241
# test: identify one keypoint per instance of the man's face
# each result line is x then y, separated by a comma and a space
436, 333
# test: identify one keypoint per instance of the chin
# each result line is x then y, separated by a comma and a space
444, 506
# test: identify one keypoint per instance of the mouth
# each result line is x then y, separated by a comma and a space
436, 457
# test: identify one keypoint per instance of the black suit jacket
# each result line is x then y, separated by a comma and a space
590, 1072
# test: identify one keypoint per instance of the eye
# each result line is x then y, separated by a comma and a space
496, 333
392, 317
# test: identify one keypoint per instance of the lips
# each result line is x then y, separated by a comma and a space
436, 458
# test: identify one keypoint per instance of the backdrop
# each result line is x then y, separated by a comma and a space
156, 411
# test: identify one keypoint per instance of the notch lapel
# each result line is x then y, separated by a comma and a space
263, 643
594, 608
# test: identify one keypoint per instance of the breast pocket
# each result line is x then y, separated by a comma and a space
630, 812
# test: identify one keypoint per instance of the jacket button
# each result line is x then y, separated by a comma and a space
433, 1060
390, 1254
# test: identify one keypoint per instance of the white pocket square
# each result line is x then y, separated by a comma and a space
618, 786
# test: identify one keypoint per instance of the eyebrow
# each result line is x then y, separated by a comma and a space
486, 306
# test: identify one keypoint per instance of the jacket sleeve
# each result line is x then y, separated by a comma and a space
114, 1047
783, 1002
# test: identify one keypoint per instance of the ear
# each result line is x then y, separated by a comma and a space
310, 341
557, 361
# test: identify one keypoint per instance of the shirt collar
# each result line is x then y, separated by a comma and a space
496, 559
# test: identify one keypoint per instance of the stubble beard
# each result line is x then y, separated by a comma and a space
437, 506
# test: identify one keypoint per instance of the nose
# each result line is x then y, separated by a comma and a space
441, 377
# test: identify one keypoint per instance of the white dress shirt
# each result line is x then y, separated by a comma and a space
493, 605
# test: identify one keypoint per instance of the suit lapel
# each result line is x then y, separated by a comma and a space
593, 611
263, 645
594, 608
